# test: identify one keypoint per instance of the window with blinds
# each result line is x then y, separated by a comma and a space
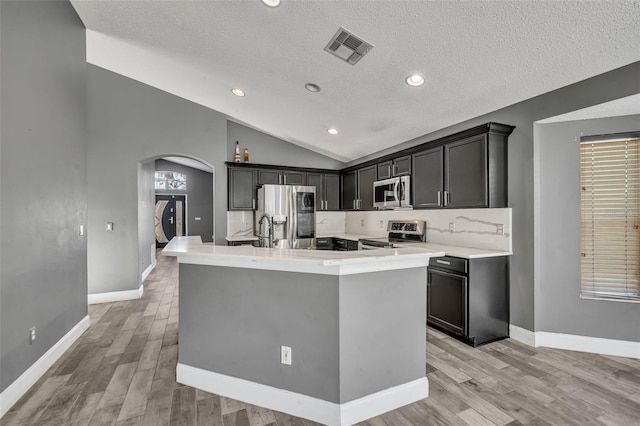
610, 210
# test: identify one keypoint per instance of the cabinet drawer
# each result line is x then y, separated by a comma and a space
450, 263
324, 243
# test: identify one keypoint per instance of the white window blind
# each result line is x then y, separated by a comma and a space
610, 239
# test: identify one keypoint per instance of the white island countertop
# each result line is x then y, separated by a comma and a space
191, 250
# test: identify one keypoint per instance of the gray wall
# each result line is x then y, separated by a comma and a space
605, 87
130, 122
265, 149
43, 278
559, 308
234, 320
146, 218
199, 198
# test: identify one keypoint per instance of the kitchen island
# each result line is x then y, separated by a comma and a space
355, 323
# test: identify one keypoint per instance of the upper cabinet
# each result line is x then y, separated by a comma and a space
466, 173
400, 166
281, 177
467, 169
366, 177
327, 190
428, 179
241, 194
357, 188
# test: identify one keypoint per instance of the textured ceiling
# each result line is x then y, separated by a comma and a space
476, 57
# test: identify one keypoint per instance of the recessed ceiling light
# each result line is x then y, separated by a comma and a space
312, 87
415, 80
332, 131
271, 3
237, 92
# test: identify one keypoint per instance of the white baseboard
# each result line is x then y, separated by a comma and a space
21, 385
594, 345
572, 342
115, 296
304, 406
147, 271
522, 335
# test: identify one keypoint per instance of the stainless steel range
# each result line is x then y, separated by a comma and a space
400, 231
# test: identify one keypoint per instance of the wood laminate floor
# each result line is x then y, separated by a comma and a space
122, 372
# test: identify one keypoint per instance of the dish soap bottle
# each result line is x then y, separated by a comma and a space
246, 155
237, 156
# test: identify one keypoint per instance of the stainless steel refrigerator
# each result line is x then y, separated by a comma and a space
286, 216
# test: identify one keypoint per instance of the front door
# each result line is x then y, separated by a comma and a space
170, 218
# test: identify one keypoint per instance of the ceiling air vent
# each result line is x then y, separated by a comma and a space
348, 47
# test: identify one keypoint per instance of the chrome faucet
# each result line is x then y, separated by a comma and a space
270, 223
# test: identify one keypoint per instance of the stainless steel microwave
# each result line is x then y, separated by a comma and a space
392, 193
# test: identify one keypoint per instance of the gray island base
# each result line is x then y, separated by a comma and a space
357, 337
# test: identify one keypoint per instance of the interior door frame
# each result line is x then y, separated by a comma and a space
186, 208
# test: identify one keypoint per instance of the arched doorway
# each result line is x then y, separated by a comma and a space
175, 198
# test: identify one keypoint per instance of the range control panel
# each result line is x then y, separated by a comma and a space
413, 227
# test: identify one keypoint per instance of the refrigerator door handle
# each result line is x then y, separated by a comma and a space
293, 219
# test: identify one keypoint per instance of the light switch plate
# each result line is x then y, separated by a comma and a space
109, 226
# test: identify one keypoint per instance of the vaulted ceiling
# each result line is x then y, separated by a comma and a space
475, 57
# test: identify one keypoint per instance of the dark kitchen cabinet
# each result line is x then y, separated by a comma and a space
465, 173
366, 177
400, 166
469, 298
428, 179
357, 188
349, 190
468, 173
327, 190
332, 192
241, 194
281, 177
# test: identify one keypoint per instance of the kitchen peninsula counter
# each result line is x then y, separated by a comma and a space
190, 250
355, 323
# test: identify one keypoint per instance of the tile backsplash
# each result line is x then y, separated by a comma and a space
239, 223
477, 228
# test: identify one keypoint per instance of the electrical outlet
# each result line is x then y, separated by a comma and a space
451, 227
285, 355
381, 223
32, 334
109, 226
361, 222
499, 229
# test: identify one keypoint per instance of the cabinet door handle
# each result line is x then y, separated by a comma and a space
253, 204
395, 169
354, 204
438, 197
390, 172
446, 198
444, 262
284, 179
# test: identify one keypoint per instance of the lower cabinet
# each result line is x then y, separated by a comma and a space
469, 298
